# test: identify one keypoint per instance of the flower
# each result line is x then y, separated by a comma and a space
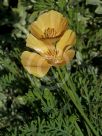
49, 25
52, 48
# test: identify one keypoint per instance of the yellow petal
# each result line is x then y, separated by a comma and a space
51, 24
51, 41
68, 55
38, 45
34, 64
67, 40
35, 30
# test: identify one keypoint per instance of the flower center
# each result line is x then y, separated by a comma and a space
49, 33
53, 59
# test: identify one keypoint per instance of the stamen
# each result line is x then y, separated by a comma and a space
49, 33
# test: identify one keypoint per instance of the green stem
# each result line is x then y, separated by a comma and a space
77, 103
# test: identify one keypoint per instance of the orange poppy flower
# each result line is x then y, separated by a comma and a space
49, 25
48, 53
